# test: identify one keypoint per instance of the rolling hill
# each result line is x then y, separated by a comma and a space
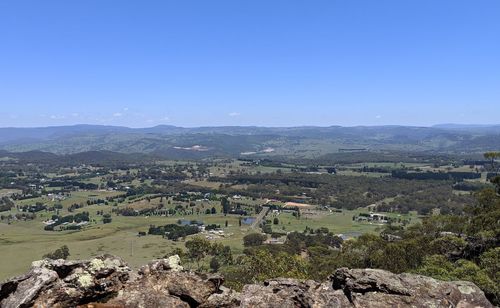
230, 141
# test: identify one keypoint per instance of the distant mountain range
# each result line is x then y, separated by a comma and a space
234, 140
471, 128
90, 157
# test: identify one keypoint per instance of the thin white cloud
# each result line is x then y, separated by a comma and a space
125, 109
57, 117
378, 117
117, 114
234, 114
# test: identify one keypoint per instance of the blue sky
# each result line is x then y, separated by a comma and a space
258, 62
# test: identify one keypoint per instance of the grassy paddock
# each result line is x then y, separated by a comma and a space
337, 223
24, 241
21, 242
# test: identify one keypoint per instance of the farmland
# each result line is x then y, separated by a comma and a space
25, 241
142, 210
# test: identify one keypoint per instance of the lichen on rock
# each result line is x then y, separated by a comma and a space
174, 262
85, 280
96, 265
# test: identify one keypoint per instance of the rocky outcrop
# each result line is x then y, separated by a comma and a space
378, 288
59, 283
107, 281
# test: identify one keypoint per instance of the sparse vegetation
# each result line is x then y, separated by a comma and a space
60, 253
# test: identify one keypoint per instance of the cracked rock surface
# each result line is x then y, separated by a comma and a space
107, 281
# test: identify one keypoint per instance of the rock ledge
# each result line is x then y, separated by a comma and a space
107, 281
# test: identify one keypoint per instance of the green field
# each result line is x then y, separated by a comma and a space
21, 242
8, 192
338, 223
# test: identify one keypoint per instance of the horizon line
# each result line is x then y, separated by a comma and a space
470, 125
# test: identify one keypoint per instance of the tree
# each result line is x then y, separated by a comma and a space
214, 264
485, 215
490, 262
225, 205
106, 218
492, 156
322, 230
254, 239
266, 228
436, 266
496, 181
363, 252
264, 265
226, 256
197, 249
60, 253
450, 246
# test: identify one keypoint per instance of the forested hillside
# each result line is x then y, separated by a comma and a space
232, 141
